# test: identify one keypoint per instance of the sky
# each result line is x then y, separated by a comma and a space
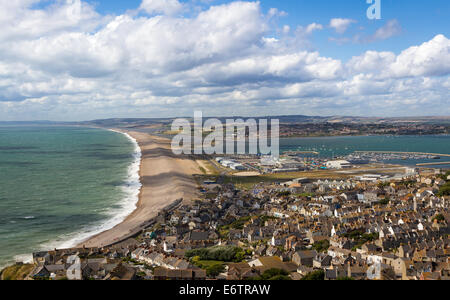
73, 60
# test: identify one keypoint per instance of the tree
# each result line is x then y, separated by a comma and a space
315, 276
217, 253
214, 270
321, 246
444, 190
280, 277
439, 218
268, 274
384, 201
274, 274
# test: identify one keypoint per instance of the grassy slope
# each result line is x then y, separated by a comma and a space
16, 272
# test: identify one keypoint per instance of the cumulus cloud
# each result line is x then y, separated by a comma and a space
167, 7
432, 58
66, 61
429, 59
341, 25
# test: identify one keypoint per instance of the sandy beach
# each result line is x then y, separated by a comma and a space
165, 178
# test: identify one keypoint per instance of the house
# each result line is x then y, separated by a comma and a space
335, 273
198, 236
356, 272
40, 258
322, 261
186, 274
235, 234
338, 252
272, 262
370, 248
380, 271
241, 271
40, 272
370, 196
304, 258
406, 251
122, 272
302, 270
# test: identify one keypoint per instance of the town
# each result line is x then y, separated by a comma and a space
327, 225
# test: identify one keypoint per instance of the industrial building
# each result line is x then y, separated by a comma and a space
339, 164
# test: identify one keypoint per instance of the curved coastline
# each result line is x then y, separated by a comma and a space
132, 189
128, 204
164, 179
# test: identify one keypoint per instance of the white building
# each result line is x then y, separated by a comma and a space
339, 164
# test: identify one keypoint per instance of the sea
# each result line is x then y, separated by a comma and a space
61, 185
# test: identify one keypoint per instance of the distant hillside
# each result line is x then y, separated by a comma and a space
295, 119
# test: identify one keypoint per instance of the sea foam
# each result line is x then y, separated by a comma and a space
131, 188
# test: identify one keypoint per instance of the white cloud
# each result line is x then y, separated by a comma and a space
341, 25
313, 27
167, 7
371, 62
274, 12
18, 21
390, 29
429, 59
66, 61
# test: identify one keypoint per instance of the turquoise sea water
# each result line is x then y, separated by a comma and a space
59, 185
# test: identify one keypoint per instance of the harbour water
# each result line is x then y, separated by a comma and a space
329, 147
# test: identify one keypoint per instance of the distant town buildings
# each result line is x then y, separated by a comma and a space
338, 164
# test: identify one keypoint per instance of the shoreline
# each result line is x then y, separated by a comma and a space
129, 201
164, 178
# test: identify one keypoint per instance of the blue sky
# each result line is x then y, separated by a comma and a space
90, 59
419, 20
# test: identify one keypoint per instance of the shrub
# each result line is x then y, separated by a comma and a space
214, 270
439, 218
274, 274
271, 273
444, 190
315, 276
218, 253
321, 246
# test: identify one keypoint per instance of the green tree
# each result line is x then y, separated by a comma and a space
274, 274
315, 276
280, 277
439, 218
217, 253
268, 274
444, 190
321, 246
215, 270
